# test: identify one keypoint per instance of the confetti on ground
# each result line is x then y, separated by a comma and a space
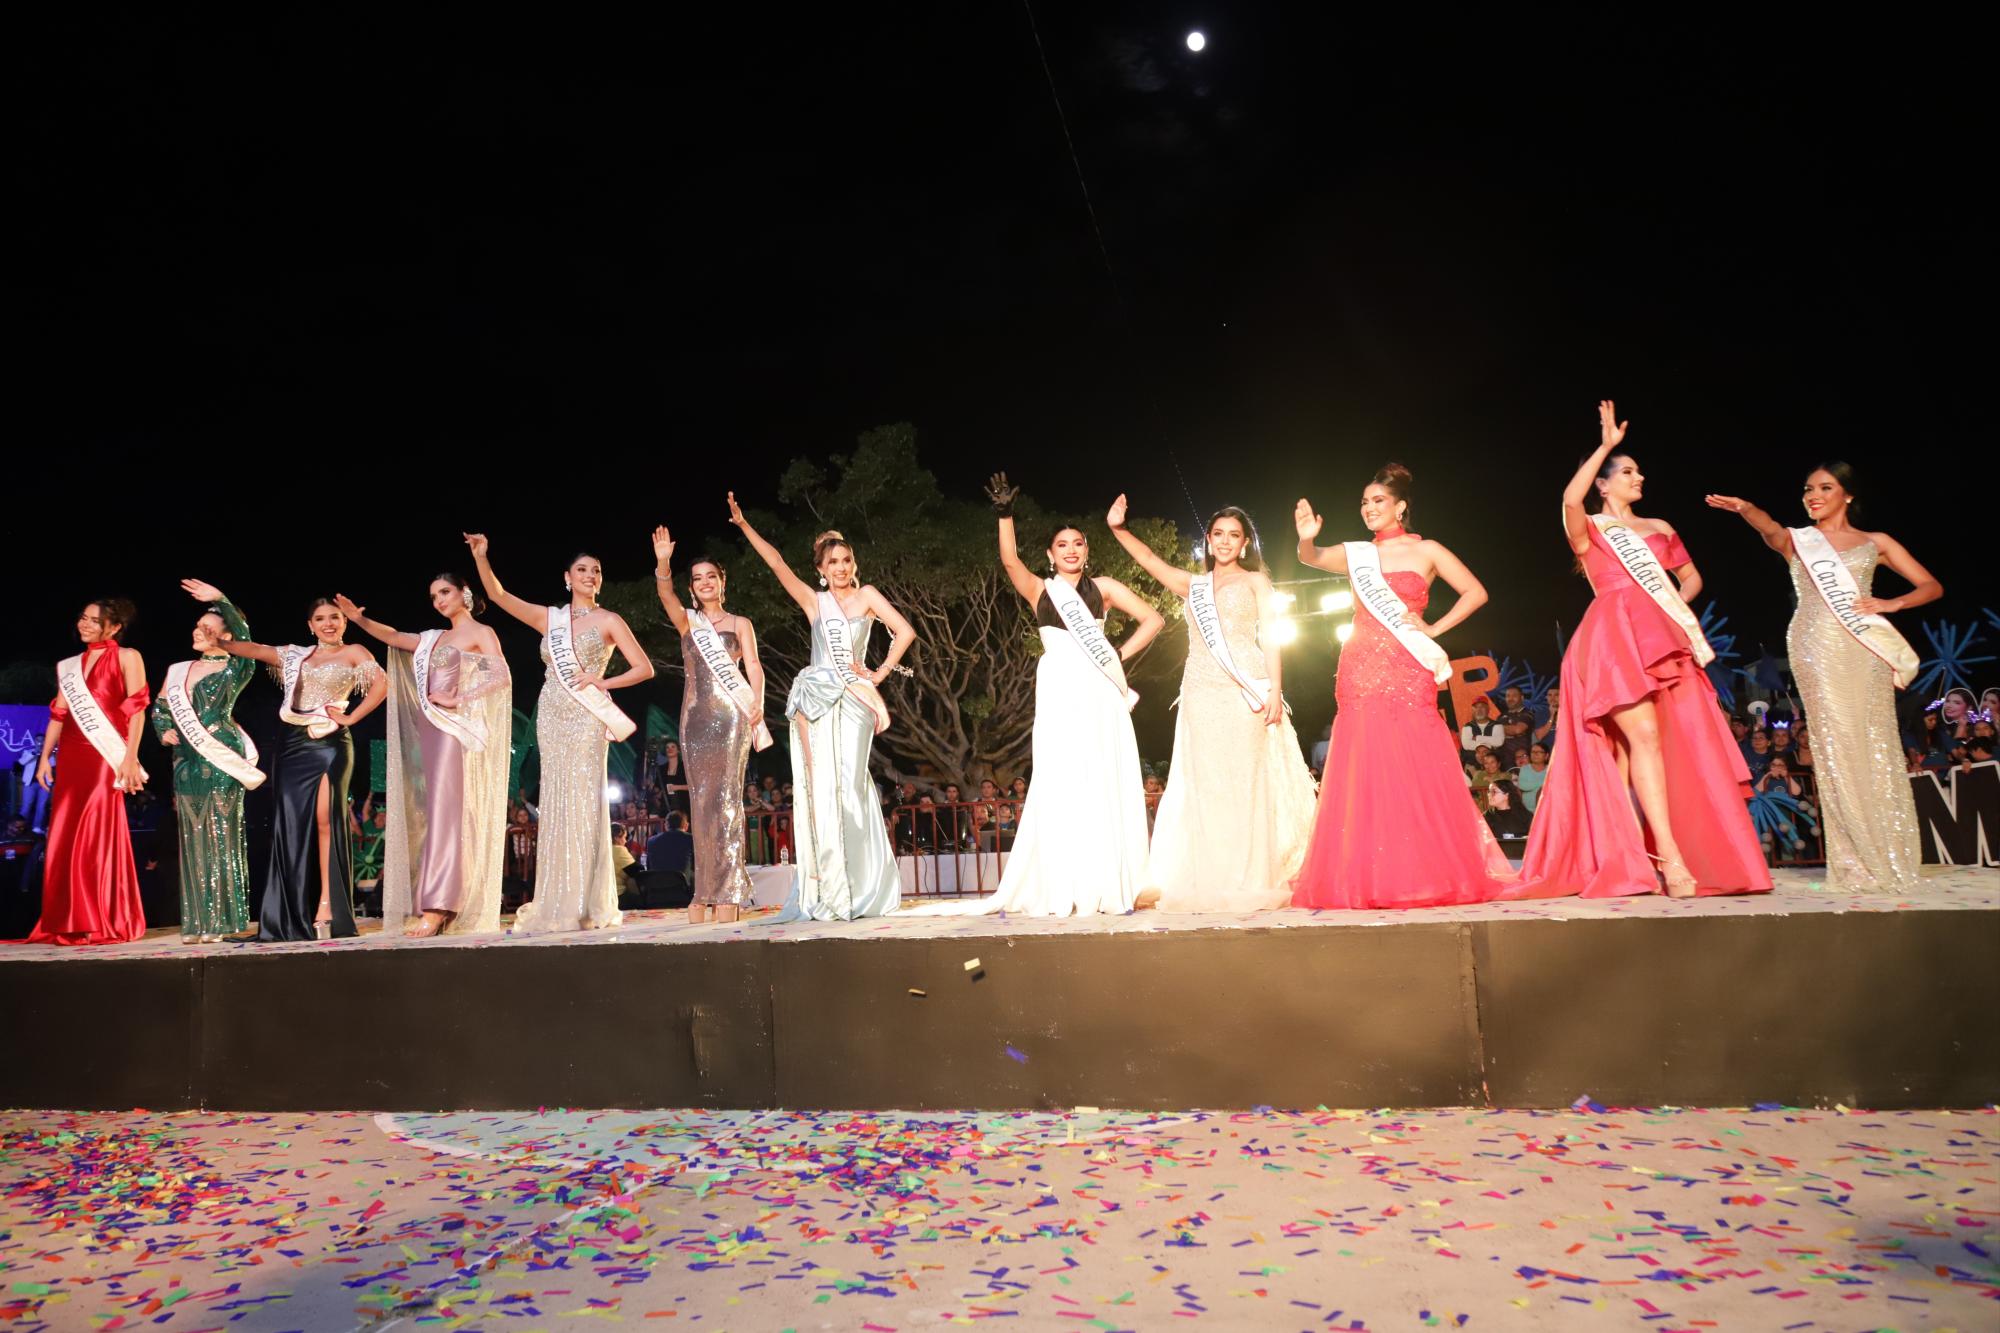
883, 1222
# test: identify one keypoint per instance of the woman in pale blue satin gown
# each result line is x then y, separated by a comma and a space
845, 866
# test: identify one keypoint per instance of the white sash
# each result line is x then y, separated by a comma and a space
87, 716
1829, 573
1202, 615
832, 629
709, 644
1089, 636
188, 726
463, 728
317, 724
562, 656
1629, 545
1372, 590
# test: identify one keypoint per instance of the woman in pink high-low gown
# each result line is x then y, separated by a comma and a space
1639, 719
1396, 825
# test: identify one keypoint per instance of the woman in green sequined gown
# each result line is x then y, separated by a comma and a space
215, 865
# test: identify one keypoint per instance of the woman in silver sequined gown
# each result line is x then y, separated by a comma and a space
715, 734
576, 887
1867, 813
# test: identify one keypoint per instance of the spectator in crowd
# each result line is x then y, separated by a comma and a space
672, 848
1781, 742
1915, 760
759, 845
1789, 834
767, 786
672, 780
903, 825
1320, 748
20, 878
986, 816
1546, 732
954, 824
1506, 817
1483, 731
1758, 757
1739, 727
622, 859
1528, 779
1516, 760
1802, 760
370, 833
1955, 712
1979, 750
1515, 720
1154, 790
1486, 771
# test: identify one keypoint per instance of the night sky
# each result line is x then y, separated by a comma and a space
304, 294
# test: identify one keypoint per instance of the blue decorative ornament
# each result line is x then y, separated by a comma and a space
1719, 673
1952, 654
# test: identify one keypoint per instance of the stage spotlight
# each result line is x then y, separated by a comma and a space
1196, 41
1343, 631
1283, 598
1336, 601
1284, 630
613, 792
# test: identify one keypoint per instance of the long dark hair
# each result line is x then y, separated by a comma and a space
119, 611
1253, 549
473, 595
1593, 499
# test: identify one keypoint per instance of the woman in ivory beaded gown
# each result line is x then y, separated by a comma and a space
1849, 692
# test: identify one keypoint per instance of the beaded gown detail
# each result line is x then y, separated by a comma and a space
715, 740
1397, 825
1868, 815
90, 883
576, 884
1237, 815
208, 803
292, 887
1587, 837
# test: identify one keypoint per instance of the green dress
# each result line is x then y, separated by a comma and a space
215, 865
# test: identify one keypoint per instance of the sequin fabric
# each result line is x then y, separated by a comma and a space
1375, 670
1867, 813
715, 738
576, 887
208, 803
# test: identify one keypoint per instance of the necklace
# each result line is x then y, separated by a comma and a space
215, 657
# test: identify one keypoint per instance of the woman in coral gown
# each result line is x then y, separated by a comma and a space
1639, 717
90, 888
1397, 826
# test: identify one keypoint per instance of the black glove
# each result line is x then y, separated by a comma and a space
1001, 494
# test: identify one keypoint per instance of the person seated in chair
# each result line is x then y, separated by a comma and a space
672, 848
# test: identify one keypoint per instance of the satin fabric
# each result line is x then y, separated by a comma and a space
845, 866
90, 884
291, 888
1587, 837
1397, 826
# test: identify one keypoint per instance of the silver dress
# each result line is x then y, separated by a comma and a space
576, 886
1866, 811
715, 742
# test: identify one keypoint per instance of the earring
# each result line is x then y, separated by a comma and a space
566, 587
822, 580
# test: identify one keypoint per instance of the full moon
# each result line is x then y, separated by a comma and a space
1196, 41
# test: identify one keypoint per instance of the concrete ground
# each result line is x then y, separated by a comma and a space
1320, 1220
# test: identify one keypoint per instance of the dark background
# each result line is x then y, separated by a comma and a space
305, 294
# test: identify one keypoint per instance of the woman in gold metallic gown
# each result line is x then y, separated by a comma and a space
576, 885
1869, 817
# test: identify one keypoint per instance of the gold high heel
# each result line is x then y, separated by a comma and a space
1688, 887
322, 930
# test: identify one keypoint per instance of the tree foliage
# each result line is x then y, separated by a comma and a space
967, 711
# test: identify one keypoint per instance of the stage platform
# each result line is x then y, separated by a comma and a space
1801, 997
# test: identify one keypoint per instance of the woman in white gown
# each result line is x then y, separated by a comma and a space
1081, 845
845, 867
1233, 824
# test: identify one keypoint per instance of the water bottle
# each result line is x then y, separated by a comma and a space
785, 855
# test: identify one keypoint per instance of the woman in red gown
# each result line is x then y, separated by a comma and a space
90, 885
1397, 826
1639, 717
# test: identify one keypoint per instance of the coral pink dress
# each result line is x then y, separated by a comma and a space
1587, 838
1397, 826
90, 889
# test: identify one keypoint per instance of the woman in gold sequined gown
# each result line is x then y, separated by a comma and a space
1866, 810
309, 891
448, 765
1237, 813
715, 733
576, 885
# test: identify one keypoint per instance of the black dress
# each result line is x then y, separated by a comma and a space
292, 888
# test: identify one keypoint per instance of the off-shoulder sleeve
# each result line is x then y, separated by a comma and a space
1676, 553
134, 703
58, 710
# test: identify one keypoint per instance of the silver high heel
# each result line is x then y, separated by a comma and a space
322, 930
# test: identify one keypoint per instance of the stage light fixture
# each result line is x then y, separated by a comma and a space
1336, 601
1284, 630
1196, 41
1343, 631
613, 792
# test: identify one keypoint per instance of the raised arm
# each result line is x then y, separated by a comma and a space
1610, 434
357, 615
1151, 622
903, 636
1333, 558
663, 578
1924, 587
1267, 638
1775, 534
256, 652
1471, 592
795, 587
1025, 581
1173, 580
534, 617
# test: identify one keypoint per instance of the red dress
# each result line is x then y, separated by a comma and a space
1587, 838
90, 888
1397, 826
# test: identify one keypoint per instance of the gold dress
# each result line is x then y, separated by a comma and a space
1237, 814
1867, 813
576, 886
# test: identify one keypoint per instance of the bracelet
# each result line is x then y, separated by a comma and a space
663, 578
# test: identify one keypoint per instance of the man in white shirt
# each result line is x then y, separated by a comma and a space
1484, 729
